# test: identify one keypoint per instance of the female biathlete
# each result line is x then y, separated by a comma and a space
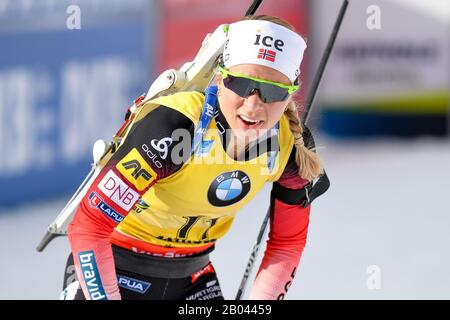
192, 160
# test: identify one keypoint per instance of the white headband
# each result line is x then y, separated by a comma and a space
264, 43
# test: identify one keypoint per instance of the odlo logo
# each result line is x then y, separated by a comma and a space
162, 146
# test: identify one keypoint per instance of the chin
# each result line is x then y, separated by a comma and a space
249, 135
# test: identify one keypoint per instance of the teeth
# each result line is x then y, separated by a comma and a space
249, 120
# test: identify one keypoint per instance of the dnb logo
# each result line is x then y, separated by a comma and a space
228, 188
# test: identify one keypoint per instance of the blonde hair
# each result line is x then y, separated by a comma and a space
308, 161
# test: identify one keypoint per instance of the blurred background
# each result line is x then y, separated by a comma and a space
70, 69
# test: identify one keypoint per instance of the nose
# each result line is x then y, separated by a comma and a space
254, 99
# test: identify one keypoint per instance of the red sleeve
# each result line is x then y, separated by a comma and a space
89, 233
287, 238
125, 178
289, 222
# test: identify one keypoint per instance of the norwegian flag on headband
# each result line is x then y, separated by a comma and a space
267, 54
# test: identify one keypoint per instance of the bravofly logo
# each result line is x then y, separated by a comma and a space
162, 146
228, 188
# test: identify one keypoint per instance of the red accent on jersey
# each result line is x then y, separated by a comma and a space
208, 269
139, 246
90, 230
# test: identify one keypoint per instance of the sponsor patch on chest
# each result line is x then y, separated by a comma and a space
228, 188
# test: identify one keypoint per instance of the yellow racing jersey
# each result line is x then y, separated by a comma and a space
197, 203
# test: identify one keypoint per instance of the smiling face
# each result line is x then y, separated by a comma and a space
250, 117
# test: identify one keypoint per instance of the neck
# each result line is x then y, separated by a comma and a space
236, 148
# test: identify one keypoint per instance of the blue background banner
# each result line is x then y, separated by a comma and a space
62, 89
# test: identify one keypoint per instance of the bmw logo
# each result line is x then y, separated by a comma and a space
228, 188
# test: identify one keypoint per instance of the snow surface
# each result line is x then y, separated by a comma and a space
388, 206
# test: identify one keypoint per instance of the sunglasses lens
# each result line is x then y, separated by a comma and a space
244, 87
271, 93
241, 86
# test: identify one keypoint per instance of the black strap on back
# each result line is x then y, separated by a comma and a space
314, 190
304, 196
